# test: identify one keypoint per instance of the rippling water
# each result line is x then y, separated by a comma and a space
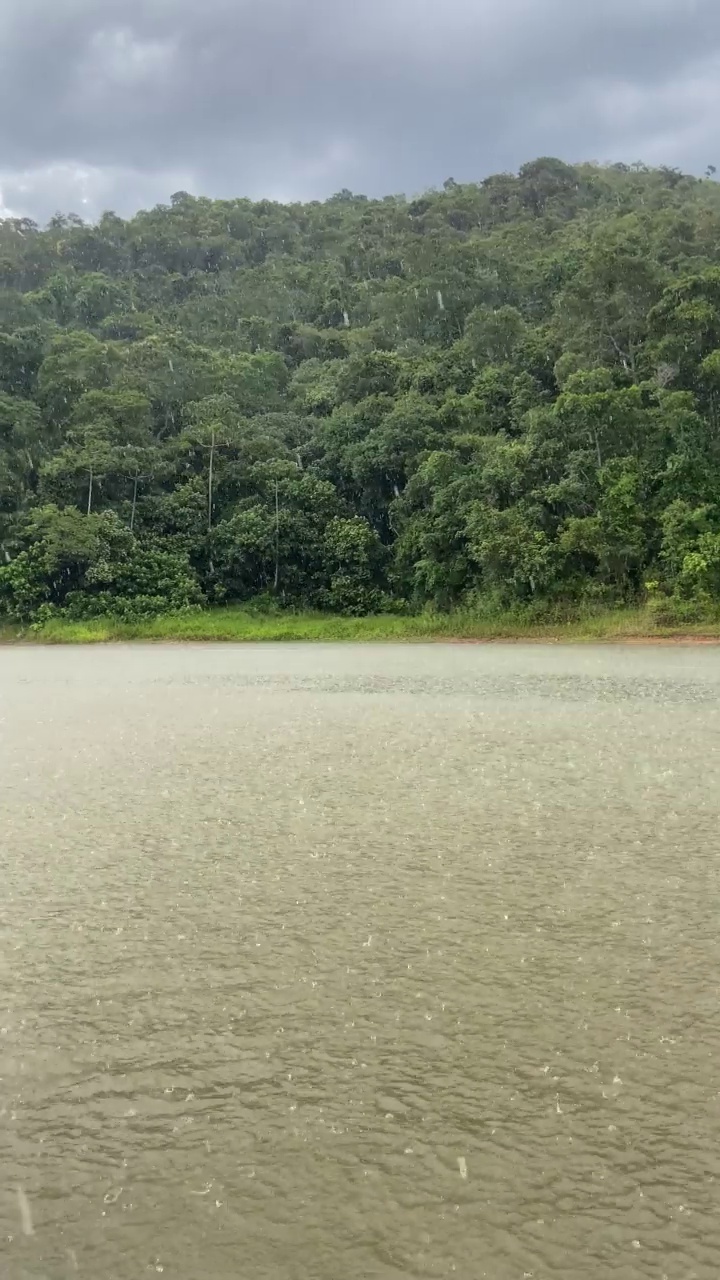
340, 963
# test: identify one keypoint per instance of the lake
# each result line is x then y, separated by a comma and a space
355, 963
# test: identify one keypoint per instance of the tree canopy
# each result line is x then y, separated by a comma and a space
496, 394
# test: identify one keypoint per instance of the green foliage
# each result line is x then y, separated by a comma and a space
498, 395
86, 566
354, 557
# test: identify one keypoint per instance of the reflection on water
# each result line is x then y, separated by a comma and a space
336, 963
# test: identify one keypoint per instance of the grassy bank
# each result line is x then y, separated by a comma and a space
241, 625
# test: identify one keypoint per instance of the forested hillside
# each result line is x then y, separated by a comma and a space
492, 395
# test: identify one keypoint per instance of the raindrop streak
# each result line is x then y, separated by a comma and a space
26, 1221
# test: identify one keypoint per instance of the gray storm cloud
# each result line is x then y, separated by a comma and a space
109, 104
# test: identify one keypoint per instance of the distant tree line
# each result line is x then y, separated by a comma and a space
499, 394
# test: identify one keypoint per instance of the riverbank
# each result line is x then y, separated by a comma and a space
244, 625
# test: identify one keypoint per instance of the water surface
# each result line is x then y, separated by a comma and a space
355, 963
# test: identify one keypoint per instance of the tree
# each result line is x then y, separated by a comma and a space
603, 311
355, 560
214, 423
22, 443
685, 324
493, 335
613, 543
75, 363
276, 540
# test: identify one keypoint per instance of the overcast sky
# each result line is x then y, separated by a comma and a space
118, 103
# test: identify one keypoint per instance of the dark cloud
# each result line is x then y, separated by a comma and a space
117, 103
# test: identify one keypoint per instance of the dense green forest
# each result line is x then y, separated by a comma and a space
495, 395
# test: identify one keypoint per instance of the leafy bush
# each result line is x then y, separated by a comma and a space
85, 566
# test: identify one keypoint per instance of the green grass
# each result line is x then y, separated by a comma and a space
242, 625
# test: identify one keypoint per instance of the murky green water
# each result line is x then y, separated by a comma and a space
339, 963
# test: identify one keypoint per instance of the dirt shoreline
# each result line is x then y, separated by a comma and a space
655, 641
558, 639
